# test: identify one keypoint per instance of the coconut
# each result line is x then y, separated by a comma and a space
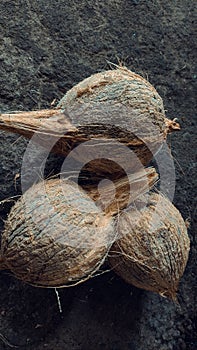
55, 235
109, 108
152, 248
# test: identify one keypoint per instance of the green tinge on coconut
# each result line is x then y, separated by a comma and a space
55, 235
152, 247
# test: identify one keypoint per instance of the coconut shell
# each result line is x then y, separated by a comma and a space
152, 247
108, 108
55, 235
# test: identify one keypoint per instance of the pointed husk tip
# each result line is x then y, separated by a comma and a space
170, 294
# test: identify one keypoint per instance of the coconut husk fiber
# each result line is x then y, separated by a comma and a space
152, 248
55, 235
114, 196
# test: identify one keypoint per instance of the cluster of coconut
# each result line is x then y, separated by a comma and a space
60, 232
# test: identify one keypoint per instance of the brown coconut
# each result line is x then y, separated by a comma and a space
152, 247
108, 107
55, 235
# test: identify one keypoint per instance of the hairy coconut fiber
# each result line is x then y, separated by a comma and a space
113, 196
107, 108
152, 247
55, 235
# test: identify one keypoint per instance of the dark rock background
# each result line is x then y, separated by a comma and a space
45, 48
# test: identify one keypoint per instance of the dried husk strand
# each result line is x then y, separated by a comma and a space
152, 248
117, 195
57, 236
27, 123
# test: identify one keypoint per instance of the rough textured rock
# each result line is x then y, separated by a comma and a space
46, 48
